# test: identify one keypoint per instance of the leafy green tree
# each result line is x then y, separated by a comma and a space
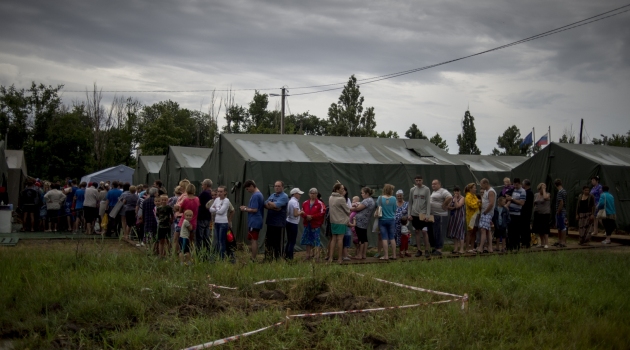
262, 120
206, 129
305, 124
511, 141
568, 135
618, 140
467, 140
347, 117
170, 126
69, 135
388, 135
438, 141
14, 116
414, 133
123, 134
237, 120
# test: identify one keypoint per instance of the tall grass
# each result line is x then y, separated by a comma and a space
96, 296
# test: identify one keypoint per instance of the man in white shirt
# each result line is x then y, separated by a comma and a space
440, 200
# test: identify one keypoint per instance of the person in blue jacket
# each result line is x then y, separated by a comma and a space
276, 206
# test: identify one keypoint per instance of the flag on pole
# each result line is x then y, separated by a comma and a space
543, 140
527, 141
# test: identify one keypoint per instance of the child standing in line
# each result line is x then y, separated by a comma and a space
352, 224
500, 220
184, 237
164, 214
404, 237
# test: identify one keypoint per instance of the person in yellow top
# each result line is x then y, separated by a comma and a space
473, 204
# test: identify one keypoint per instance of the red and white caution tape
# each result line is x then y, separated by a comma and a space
278, 280
371, 310
232, 338
332, 313
222, 287
463, 299
420, 289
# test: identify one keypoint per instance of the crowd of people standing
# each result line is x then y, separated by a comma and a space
189, 222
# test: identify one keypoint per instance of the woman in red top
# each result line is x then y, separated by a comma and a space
190, 202
313, 211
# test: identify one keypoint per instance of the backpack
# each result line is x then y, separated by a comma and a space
327, 223
30, 197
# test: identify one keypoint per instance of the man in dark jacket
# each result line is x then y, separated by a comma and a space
29, 202
203, 217
526, 214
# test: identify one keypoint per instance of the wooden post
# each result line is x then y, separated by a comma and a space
465, 302
286, 324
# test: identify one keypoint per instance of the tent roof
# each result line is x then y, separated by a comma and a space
333, 149
15, 159
153, 164
490, 163
190, 157
603, 155
100, 172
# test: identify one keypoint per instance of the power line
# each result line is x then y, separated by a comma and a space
370, 80
160, 91
538, 36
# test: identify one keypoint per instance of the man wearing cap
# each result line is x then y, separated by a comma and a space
276, 206
293, 219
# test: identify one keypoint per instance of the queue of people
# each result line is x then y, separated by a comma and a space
187, 222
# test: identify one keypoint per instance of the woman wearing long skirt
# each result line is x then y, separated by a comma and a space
456, 224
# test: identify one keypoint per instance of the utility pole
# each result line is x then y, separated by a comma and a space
581, 128
284, 90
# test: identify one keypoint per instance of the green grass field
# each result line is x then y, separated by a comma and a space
105, 294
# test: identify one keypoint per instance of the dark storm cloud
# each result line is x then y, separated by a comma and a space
311, 38
189, 45
532, 99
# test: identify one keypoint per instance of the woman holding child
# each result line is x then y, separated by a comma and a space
190, 202
364, 211
401, 212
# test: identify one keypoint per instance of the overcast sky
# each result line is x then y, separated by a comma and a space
194, 45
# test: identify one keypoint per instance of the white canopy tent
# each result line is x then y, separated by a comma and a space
121, 173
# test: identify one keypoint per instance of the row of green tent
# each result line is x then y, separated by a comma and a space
318, 161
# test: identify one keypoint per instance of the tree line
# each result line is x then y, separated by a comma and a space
70, 140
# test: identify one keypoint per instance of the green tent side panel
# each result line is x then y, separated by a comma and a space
148, 169
575, 165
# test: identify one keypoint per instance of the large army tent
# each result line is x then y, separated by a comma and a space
319, 161
183, 163
148, 169
4, 175
16, 165
493, 168
121, 173
575, 165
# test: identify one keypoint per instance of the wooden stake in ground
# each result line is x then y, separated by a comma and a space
286, 324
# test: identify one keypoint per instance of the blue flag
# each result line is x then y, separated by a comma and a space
527, 141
